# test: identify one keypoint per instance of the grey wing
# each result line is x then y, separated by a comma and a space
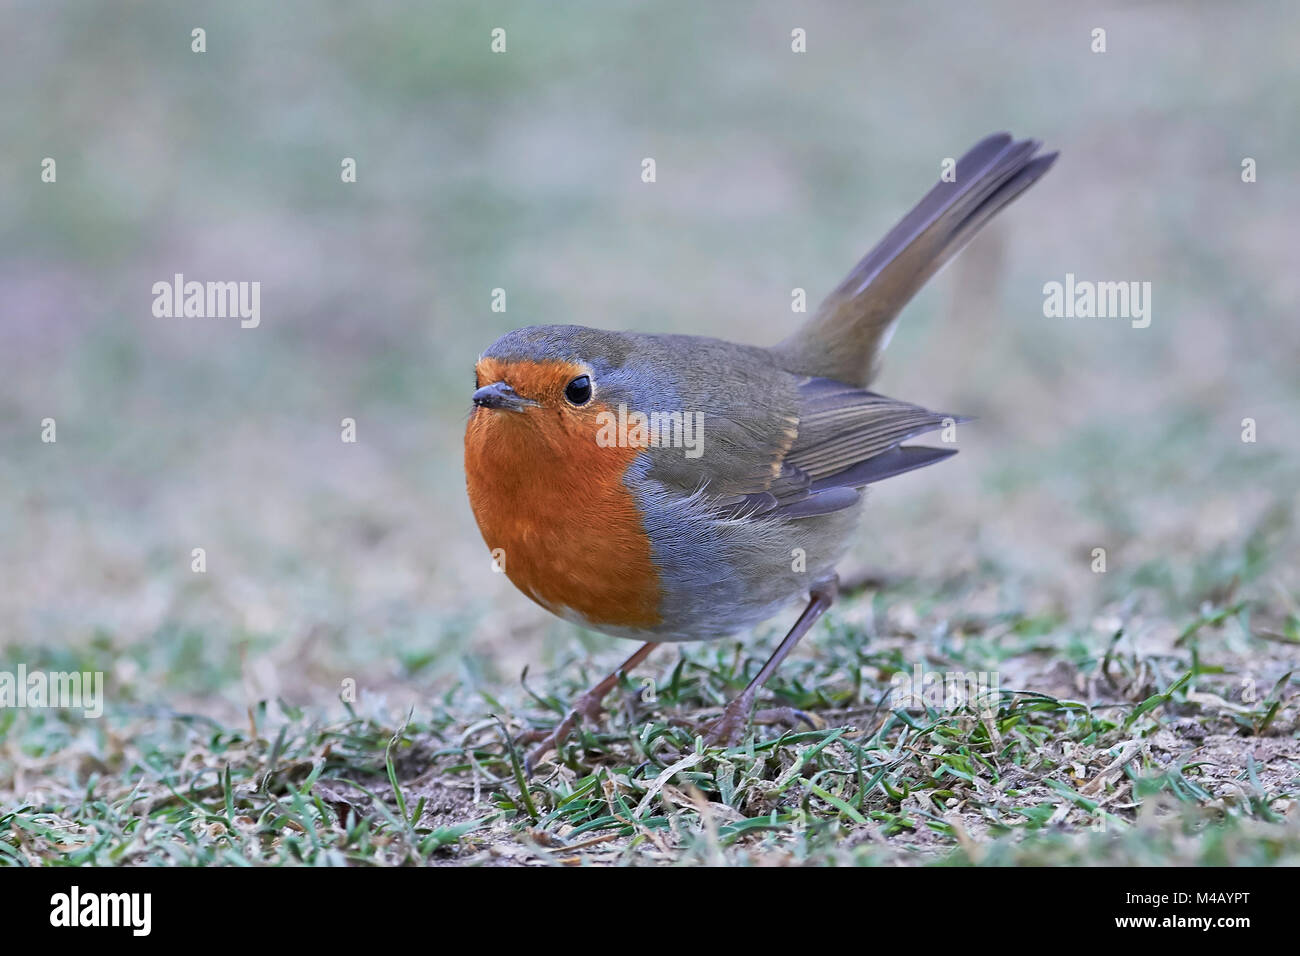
847, 438
789, 445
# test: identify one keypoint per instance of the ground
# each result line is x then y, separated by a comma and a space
1095, 748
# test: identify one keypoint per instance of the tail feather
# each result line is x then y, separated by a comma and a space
852, 326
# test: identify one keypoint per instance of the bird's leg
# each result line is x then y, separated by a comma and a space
728, 728
586, 705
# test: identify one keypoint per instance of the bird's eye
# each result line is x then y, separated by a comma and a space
578, 392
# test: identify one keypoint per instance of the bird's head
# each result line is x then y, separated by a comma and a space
549, 385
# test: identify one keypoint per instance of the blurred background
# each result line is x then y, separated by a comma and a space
521, 170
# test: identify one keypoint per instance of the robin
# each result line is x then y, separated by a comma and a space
681, 488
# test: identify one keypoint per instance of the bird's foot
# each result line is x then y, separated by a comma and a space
729, 729
587, 705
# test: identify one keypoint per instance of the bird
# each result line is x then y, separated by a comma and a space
618, 528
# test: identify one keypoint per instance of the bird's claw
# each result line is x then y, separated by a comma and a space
728, 730
586, 706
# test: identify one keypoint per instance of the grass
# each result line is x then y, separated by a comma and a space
1157, 758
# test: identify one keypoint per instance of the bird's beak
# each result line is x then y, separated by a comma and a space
501, 395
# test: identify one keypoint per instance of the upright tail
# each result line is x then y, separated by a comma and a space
844, 338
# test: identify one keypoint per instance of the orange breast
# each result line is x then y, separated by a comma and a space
553, 500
